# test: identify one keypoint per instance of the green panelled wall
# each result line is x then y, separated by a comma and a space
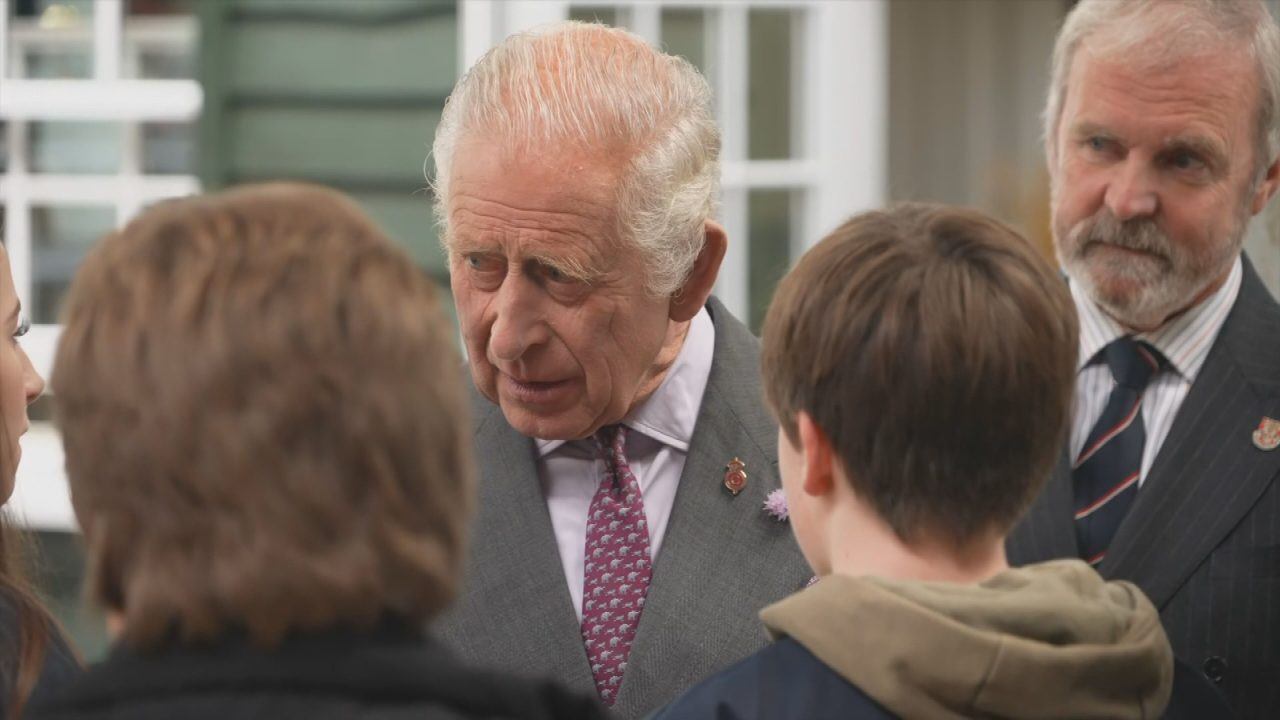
346, 93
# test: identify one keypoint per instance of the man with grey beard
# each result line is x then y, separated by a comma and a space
1163, 140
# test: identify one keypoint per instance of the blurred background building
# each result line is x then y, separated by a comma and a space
828, 107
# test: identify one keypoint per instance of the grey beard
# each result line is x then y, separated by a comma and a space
1167, 280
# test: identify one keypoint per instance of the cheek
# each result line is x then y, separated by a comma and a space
1080, 193
1214, 216
471, 305
623, 343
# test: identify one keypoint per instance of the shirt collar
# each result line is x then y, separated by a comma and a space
670, 413
1184, 341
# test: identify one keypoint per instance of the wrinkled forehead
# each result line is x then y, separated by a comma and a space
1211, 93
499, 185
1152, 52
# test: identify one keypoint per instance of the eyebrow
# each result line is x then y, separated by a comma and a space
1090, 129
568, 266
1197, 144
582, 270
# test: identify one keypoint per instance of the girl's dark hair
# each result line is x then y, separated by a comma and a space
28, 628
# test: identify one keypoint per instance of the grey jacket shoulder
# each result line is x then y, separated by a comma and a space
722, 558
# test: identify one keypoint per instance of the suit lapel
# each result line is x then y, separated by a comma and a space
517, 592
1208, 473
1048, 530
710, 529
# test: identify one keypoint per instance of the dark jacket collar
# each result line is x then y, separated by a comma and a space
390, 664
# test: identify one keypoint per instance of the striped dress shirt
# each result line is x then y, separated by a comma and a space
1184, 342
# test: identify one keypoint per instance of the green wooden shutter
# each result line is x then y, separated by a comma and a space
340, 92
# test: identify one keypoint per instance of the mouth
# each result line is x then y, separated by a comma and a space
1128, 250
534, 392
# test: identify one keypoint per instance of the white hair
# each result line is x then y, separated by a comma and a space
1157, 31
582, 85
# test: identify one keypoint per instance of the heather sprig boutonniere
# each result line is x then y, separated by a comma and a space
776, 505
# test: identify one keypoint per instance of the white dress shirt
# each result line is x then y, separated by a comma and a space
1184, 342
661, 427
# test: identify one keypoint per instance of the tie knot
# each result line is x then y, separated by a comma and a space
1133, 363
612, 439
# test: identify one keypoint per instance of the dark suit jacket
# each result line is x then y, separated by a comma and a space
722, 558
781, 682
390, 673
1203, 537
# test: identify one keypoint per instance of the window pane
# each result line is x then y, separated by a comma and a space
683, 35
159, 7
57, 63
606, 15
54, 12
75, 147
168, 148
769, 240
166, 64
769, 121
61, 235
51, 40
160, 38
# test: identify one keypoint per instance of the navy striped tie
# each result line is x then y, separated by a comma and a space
1105, 476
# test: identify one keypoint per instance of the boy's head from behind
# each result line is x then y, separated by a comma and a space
920, 361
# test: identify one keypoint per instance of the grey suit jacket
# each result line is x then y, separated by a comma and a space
1203, 537
722, 558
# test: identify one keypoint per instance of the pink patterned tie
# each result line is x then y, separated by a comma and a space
617, 568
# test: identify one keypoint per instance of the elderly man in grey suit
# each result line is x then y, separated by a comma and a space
1163, 139
621, 545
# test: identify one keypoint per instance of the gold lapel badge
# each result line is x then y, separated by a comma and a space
735, 476
1266, 437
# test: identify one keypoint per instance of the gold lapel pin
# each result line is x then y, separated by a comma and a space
1266, 437
735, 476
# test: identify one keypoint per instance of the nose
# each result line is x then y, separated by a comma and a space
32, 383
1132, 191
518, 323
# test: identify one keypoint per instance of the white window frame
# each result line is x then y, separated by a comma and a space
40, 498
839, 115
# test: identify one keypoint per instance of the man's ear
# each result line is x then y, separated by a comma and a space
819, 458
1266, 189
689, 299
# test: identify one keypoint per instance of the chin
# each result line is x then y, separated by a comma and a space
1132, 300
1144, 309
543, 427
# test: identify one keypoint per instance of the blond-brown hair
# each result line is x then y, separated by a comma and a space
264, 421
937, 351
